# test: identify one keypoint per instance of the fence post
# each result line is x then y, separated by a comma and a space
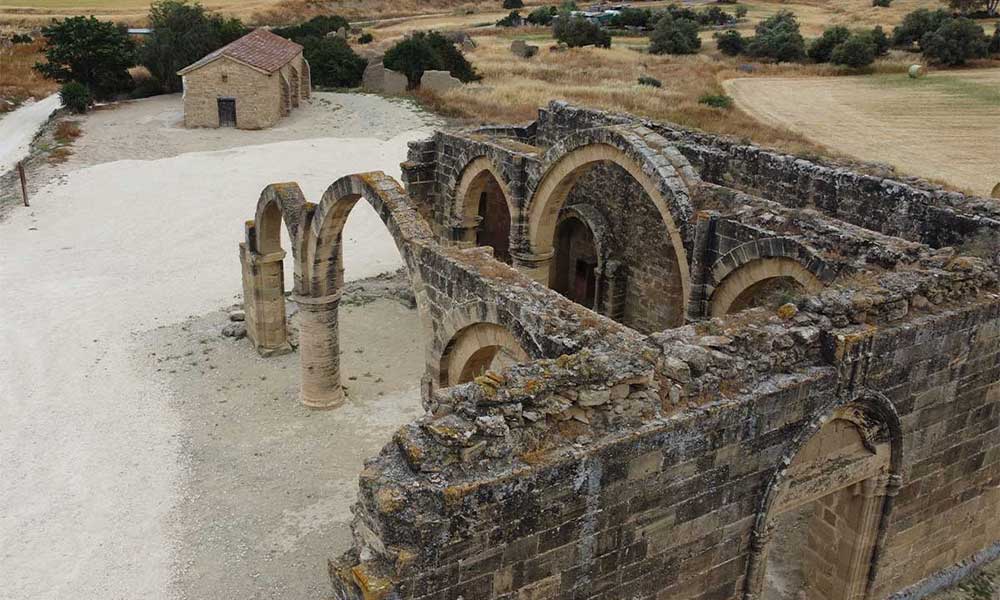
24, 182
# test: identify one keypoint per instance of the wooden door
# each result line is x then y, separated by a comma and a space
227, 112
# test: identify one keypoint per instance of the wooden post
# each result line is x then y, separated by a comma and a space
24, 182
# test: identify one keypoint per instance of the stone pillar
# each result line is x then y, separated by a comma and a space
264, 301
534, 265
869, 496
319, 351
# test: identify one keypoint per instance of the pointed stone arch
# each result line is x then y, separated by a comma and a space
806, 473
661, 171
321, 255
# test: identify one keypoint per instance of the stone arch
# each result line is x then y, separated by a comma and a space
645, 156
876, 477
471, 336
478, 176
596, 227
320, 254
286, 94
262, 258
294, 86
735, 274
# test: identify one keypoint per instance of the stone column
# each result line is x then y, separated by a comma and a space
319, 350
264, 301
534, 265
869, 496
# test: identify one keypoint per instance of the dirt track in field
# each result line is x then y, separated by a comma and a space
942, 127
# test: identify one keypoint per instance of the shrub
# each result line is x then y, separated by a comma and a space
881, 3
822, 47
366, 38
716, 100
182, 34
778, 38
995, 41
94, 53
332, 62
145, 86
730, 43
428, 52
542, 16
880, 40
67, 131
315, 27
650, 81
514, 19
858, 50
76, 97
917, 24
741, 11
576, 32
632, 17
956, 41
509, 4
674, 36
21, 38
713, 15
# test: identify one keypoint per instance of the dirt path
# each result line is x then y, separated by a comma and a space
942, 127
19, 127
91, 440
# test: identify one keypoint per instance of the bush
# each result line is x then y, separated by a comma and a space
182, 34
716, 100
577, 32
956, 41
509, 4
650, 81
778, 38
741, 11
514, 19
542, 16
94, 53
76, 97
881, 3
332, 62
917, 24
822, 47
730, 43
858, 50
146, 86
713, 15
366, 38
880, 40
21, 38
315, 27
995, 41
428, 52
674, 36
632, 17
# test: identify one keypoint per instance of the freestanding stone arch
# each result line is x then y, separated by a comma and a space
321, 255
847, 461
736, 275
262, 260
652, 166
480, 176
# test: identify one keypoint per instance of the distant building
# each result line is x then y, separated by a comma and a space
250, 83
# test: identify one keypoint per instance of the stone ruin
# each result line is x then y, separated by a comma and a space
660, 364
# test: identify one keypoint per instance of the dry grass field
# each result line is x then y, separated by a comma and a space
945, 126
18, 80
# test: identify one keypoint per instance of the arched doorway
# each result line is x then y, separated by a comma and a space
476, 349
818, 536
574, 272
766, 282
482, 202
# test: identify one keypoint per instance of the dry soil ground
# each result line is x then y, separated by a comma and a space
117, 480
944, 126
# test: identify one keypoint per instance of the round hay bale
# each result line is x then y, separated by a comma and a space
996, 191
916, 71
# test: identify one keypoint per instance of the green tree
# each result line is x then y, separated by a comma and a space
76, 97
995, 41
513, 4
94, 53
956, 41
777, 37
856, 51
576, 31
730, 43
880, 39
916, 24
632, 17
674, 36
428, 52
183, 33
542, 16
822, 47
332, 62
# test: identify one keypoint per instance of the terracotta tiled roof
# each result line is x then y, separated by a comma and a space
260, 49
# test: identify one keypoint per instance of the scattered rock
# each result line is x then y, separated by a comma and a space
439, 81
380, 80
237, 316
235, 330
523, 49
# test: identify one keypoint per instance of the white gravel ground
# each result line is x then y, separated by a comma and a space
89, 442
19, 127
